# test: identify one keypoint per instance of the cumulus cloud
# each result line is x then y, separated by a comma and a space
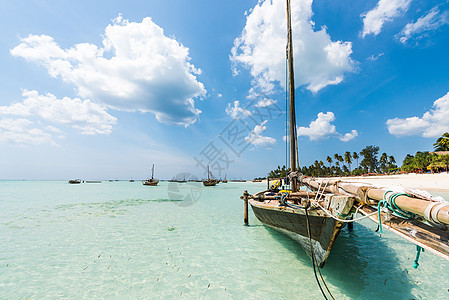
137, 68
256, 138
33, 120
321, 128
433, 20
83, 115
385, 11
433, 123
236, 112
265, 102
22, 132
349, 136
319, 61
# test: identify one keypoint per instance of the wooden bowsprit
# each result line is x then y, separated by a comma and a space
427, 230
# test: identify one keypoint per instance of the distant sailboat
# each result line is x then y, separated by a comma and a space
178, 179
75, 181
151, 181
209, 181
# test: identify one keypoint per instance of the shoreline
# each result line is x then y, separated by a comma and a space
429, 182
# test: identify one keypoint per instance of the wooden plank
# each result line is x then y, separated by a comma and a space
428, 237
366, 191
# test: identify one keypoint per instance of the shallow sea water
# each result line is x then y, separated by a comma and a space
123, 240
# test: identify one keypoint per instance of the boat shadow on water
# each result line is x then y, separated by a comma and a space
361, 265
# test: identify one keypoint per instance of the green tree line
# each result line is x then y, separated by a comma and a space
368, 161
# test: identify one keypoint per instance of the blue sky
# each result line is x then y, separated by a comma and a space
104, 89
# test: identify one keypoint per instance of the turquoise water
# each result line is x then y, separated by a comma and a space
122, 240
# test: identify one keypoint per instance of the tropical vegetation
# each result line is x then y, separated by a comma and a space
442, 143
348, 164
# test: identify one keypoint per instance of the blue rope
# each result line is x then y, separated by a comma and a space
418, 252
282, 202
390, 204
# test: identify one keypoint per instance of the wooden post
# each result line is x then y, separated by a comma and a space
268, 183
245, 208
351, 225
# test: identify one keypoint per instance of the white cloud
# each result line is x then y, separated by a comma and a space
256, 138
349, 136
430, 22
433, 123
261, 48
384, 11
137, 68
321, 128
375, 57
265, 102
84, 116
236, 112
21, 131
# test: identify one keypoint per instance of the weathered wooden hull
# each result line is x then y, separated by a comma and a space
151, 183
210, 182
292, 222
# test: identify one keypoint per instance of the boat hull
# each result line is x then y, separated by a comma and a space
151, 183
293, 223
210, 182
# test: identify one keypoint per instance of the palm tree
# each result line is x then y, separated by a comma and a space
348, 159
383, 162
391, 163
356, 156
340, 158
329, 160
442, 143
445, 160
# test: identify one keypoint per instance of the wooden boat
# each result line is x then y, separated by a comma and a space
224, 180
175, 179
75, 181
209, 181
314, 218
290, 211
151, 181
301, 219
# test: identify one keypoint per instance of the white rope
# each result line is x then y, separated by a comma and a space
343, 220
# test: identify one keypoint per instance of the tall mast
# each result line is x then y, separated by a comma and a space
152, 172
292, 116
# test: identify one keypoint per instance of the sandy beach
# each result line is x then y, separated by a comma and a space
430, 182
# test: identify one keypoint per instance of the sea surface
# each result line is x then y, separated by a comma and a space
123, 240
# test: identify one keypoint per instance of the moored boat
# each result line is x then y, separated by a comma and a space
315, 218
75, 181
224, 180
209, 181
151, 181
288, 210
